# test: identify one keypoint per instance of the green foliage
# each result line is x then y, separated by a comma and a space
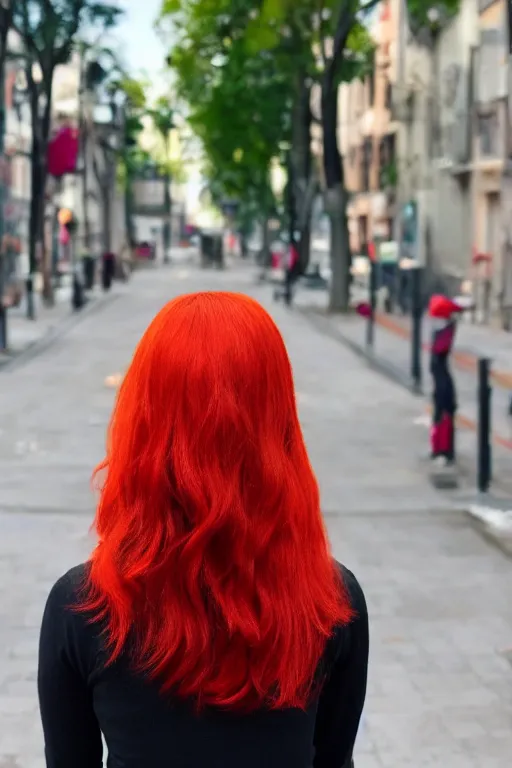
431, 15
237, 64
135, 93
162, 115
238, 103
48, 28
389, 176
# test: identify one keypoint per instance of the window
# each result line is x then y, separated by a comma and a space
366, 163
488, 130
389, 95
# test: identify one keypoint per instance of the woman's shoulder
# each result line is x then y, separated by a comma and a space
354, 590
65, 592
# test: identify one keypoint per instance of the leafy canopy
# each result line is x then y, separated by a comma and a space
49, 27
238, 103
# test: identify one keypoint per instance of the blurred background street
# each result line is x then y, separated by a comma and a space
344, 163
440, 688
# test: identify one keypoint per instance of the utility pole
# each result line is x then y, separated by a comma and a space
3, 197
6, 10
400, 105
167, 203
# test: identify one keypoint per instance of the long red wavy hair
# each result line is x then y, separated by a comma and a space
212, 553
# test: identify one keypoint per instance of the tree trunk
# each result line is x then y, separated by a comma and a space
336, 200
335, 206
291, 200
106, 218
83, 123
128, 213
305, 245
85, 191
46, 261
34, 228
302, 166
265, 250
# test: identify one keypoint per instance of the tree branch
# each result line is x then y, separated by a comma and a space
369, 6
6, 13
321, 36
346, 18
96, 169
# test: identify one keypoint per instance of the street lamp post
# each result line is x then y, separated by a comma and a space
167, 228
3, 168
3, 308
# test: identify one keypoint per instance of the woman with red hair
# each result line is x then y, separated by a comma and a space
211, 627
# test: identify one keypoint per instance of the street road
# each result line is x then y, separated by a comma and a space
440, 687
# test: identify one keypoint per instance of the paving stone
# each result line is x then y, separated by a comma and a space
440, 685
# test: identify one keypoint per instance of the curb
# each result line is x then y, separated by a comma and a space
397, 376
494, 524
393, 373
60, 329
464, 360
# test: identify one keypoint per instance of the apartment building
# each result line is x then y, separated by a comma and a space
367, 137
18, 140
492, 156
456, 87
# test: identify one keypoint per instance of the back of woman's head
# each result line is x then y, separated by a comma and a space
212, 554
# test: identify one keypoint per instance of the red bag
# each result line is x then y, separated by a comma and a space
441, 436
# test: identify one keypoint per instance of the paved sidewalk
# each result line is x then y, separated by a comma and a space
440, 686
392, 354
23, 334
473, 341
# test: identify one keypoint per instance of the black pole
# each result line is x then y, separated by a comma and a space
416, 316
3, 322
372, 301
484, 425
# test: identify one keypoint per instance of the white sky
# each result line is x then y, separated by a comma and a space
144, 52
141, 46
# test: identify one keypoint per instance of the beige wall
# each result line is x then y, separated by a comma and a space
450, 210
365, 120
490, 211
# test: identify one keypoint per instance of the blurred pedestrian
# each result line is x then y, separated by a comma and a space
291, 271
443, 312
211, 626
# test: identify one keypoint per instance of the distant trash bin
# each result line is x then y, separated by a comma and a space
89, 264
212, 250
109, 265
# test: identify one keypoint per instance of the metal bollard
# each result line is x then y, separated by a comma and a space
372, 302
416, 316
3, 325
484, 425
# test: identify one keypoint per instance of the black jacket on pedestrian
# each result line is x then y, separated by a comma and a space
82, 698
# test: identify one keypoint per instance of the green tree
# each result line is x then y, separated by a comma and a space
162, 115
48, 29
238, 103
336, 30
97, 63
302, 42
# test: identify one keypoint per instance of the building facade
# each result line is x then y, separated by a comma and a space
492, 153
367, 140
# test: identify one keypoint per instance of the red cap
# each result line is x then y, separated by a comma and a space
442, 307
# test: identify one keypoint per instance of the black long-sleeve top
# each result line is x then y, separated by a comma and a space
81, 698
